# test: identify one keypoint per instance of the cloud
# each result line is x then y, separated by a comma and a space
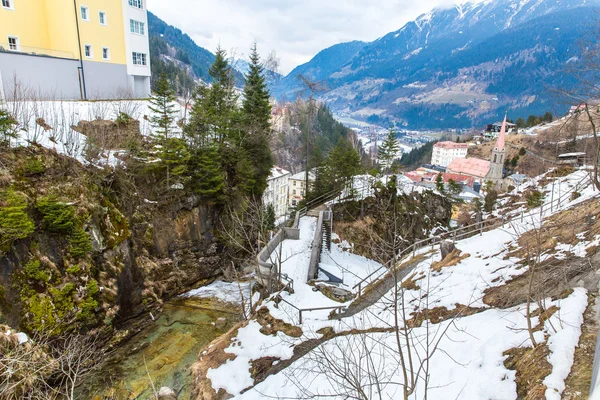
295, 30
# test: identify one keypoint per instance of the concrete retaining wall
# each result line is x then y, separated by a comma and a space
317, 247
267, 267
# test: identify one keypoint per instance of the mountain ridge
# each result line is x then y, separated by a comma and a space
411, 73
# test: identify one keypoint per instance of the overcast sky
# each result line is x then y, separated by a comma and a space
295, 29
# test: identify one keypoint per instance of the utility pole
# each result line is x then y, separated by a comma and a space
82, 78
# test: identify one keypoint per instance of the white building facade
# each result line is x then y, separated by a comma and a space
446, 152
298, 187
276, 193
135, 17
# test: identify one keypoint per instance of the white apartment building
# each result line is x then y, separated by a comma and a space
137, 45
298, 187
446, 152
276, 193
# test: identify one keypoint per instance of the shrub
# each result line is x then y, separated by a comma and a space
80, 243
33, 166
74, 270
34, 271
123, 119
490, 200
88, 306
39, 313
535, 198
14, 222
58, 216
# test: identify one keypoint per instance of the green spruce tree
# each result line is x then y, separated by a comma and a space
256, 116
388, 151
7, 128
163, 109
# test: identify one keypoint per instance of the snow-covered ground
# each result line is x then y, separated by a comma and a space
229, 292
61, 116
468, 362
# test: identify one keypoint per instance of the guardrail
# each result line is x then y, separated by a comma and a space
338, 314
464, 232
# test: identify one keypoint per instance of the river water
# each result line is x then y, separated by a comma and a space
164, 351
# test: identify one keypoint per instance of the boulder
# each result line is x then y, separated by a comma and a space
166, 393
221, 322
446, 247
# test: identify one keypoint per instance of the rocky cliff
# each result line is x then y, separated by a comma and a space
83, 248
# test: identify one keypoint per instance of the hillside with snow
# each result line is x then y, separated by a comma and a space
500, 316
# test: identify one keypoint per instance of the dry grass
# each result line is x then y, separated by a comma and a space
451, 260
410, 283
213, 357
271, 325
564, 227
544, 315
439, 314
532, 367
553, 276
579, 380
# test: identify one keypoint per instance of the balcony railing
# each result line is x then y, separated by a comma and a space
35, 51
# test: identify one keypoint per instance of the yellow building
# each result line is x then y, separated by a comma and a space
75, 48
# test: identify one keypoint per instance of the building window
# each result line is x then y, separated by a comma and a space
102, 17
85, 15
137, 27
139, 59
7, 4
136, 3
13, 43
106, 53
87, 50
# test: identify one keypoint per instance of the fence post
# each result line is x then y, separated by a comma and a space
300, 312
522, 214
414, 250
454, 237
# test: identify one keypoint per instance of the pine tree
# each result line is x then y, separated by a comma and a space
343, 162
388, 150
256, 114
207, 177
163, 107
7, 127
439, 183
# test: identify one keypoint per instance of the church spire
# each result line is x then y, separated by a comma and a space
502, 136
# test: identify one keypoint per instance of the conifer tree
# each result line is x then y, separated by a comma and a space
388, 150
343, 162
163, 118
256, 114
207, 177
439, 183
7, 128
161, 104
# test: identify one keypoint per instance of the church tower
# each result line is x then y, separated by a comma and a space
498, 156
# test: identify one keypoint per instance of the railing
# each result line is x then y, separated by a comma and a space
464, 232
35, 51
338, 314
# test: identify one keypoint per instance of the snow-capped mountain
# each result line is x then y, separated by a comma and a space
455, 67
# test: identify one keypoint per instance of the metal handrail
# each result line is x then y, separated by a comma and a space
303, 310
